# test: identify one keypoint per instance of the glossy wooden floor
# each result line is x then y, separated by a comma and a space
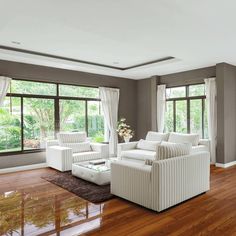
30, 205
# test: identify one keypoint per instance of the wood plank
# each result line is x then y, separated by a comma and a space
28, 201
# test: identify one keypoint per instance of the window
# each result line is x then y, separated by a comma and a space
78, 91
38, 122
10, 125
72, 115
185, 110
95, 121
34, 112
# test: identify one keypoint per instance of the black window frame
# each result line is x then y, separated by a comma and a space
188, 99
56, 99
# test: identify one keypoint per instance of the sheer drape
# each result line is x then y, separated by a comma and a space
161, 103
4, 85
211, 115
110, 102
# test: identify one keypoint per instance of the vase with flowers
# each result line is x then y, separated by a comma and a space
124, 130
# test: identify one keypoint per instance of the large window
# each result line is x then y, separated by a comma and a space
34, 112
185, 110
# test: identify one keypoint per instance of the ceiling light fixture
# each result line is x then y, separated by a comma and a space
16, 42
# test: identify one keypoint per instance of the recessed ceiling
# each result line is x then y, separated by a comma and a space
120, 33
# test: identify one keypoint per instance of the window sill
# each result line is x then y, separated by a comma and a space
21, 152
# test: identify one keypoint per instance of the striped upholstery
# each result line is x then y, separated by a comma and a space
72, 137
165, 183
59, 158
86, 156
184, 138
157, 136
131, 182
167, 150
177, 179
148, 162
78, 147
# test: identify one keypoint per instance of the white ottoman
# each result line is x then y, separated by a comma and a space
98, 174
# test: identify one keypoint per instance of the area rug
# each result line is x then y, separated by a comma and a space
82, 188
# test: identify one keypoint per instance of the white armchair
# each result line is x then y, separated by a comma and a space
71, 148
165, 183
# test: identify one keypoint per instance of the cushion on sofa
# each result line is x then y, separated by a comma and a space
139, 154
199, 148
168, 150
156, 136
147, 145
78, 147
71, 137
184, 138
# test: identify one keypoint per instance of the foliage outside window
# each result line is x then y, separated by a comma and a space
34, 112
185, 110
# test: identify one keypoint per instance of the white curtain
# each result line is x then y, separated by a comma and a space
110, 102
4, 85
161, 103
211, 115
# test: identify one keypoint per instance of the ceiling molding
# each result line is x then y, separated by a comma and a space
85, 62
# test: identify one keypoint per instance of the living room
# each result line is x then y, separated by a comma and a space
117, 118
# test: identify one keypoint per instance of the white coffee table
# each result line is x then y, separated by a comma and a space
98, 174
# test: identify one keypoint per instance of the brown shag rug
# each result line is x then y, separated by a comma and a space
82, 188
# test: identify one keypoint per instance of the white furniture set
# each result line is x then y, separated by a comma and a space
72, 148
179, 169
158, 172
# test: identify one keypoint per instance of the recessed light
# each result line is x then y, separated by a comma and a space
16, 42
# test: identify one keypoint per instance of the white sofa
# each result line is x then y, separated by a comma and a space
71, 148
131, 152
165, 183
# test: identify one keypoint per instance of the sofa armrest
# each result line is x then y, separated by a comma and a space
125, 146
131, 181
50, 143
205, 142
102, 148
59, 158
177, 179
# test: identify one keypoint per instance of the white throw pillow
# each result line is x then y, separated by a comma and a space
147, 145
156, 136
71, 137
184, 138
78, 147
168, 150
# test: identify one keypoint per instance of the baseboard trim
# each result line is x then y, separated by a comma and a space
226, 165
21, 168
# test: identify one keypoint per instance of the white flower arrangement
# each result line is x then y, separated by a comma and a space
124, 130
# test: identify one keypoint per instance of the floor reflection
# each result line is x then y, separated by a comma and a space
35, 212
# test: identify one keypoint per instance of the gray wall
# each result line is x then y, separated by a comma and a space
146, 94
128, 88
188, 77
146, 106
226, 112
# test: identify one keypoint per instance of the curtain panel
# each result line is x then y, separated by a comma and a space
4, 85
110, 103
211, 102
161, 104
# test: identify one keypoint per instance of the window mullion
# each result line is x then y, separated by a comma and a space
86, 116
188, 115
56, 116
22, 123
174, 114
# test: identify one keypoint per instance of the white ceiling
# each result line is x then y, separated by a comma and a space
197, 33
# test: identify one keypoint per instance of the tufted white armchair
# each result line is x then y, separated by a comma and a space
71, 148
